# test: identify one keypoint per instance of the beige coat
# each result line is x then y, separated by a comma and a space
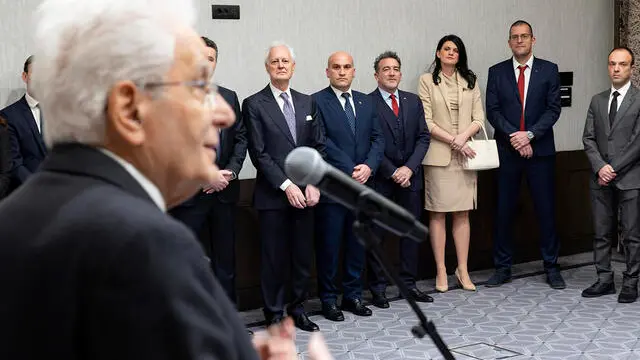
437, 113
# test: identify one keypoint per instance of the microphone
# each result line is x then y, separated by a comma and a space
305, 166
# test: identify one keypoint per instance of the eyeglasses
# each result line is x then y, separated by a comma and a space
209, 88
522, 36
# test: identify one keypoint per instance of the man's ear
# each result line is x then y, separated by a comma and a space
122, 112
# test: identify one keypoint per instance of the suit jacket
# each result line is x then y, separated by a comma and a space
27, 146
270, 141
91, 268
344, 149
5, 161
437, 112
408, 150
233, 150
617, 145
542, 105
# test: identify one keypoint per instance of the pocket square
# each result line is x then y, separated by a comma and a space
308, 118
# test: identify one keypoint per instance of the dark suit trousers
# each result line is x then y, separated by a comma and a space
213, 223
334, 227
286, 239
409, 249
605, 204
540, 175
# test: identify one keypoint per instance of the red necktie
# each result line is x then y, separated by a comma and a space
394, 105
522, 68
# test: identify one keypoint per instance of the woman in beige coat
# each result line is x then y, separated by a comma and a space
453, 112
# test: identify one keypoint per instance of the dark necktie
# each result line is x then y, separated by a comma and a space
348, 110
522, 68
289, 115
613, 109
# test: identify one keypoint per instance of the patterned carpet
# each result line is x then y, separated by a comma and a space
524, 319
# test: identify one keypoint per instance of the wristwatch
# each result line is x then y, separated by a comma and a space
530, 135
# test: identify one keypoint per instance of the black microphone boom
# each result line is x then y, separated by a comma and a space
305, 166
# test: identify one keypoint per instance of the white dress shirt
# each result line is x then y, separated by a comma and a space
35, 110
527, 76
343, 101
147, 185
622, 91
387, 97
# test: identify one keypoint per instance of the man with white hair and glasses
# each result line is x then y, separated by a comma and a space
90, 264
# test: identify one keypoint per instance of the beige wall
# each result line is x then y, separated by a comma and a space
576, 34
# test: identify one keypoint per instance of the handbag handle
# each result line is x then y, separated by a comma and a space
486, 137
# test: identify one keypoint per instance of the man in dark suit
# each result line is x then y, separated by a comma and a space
25, 119
399, 177
90, 265
355, 145
523, 103
611, 141
279, 119
215, 204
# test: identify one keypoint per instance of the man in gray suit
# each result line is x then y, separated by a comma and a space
612, 144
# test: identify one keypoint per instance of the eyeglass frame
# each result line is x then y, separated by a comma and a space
209, 87
524, 37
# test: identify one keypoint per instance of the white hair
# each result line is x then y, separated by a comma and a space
276, 44
86, 46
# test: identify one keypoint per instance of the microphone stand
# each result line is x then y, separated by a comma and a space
363, 229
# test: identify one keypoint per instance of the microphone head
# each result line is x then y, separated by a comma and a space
304, 166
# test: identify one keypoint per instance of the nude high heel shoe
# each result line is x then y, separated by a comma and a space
442, 287
469, 286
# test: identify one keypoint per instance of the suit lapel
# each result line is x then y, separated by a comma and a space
534, 78
333, 102
626, 102
273, 109
513, 80
359, 108
386, 113
405, 115
604, 111
31, 121
441, 90
301, 110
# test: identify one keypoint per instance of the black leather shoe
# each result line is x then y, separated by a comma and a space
419, 296
498, 278
599, 289
379, 300
628, 294
555, 280
302, 322
355, 306
274, 319
331, 312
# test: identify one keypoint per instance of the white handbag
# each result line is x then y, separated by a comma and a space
486, 154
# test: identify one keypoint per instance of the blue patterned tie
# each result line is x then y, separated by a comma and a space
289, 115
348, 110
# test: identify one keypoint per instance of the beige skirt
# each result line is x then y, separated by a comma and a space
450, 188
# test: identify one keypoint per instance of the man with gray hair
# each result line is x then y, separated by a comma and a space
279, 119
90, 264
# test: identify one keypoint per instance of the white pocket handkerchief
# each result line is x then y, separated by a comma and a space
308, 118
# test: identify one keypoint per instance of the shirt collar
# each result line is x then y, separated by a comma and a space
340, 92
147, 185
623, 90
529, 63
387, 95
276, 92
30, 100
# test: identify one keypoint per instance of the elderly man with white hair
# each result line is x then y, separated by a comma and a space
91, 266
278, 120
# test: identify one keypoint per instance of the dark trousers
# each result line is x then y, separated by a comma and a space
286, 241
409, 249
213, 223
334, 228
606, 201
540, 175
